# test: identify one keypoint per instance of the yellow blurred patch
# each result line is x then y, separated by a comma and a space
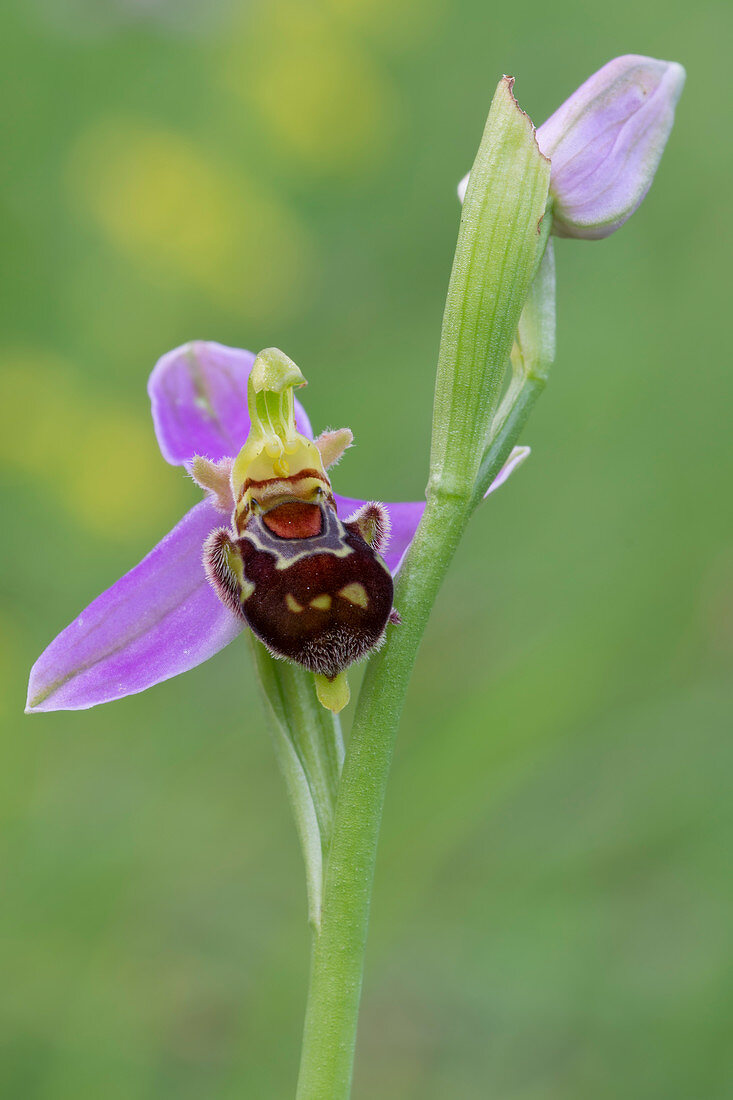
322, 97
186, 219
97, 459
398, 24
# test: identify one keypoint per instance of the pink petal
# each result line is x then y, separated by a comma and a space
605, 143
160, 619
198, 394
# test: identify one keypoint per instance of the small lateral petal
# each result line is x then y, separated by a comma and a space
215, 479
160, 619
373, 524
404, 517
332, 445
198, 394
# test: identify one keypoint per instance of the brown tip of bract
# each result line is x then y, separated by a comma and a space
508, 82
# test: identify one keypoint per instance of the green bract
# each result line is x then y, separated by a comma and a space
495, 258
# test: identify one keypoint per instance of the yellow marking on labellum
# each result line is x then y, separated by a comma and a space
293, 605
355, 593
321, 603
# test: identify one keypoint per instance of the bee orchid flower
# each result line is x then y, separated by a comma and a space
180, 605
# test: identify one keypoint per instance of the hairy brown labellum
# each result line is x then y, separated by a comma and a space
312, 588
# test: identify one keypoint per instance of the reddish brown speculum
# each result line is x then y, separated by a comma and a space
295, 520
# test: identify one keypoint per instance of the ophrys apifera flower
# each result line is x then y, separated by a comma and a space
166, 616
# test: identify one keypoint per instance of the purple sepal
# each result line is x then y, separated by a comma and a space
605, 143
198, 394
160, 619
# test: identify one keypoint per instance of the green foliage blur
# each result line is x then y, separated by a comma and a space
552, 914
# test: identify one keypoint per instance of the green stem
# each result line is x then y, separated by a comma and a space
338, 950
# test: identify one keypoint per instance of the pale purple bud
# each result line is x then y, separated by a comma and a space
606, 141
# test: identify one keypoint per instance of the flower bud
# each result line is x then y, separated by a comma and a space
605, 143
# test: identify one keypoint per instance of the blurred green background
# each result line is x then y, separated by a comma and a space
552, 911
